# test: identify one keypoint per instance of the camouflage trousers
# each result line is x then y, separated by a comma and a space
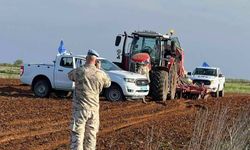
84, 127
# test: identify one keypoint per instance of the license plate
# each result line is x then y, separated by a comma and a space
144, 88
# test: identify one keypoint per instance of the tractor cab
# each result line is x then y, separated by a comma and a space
159, 47
161, 52
146, 43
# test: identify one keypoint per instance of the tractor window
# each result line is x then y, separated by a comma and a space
146, 45
137, 45
149, 44
143, 44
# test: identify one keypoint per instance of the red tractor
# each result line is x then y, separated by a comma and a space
166, 63
165, 60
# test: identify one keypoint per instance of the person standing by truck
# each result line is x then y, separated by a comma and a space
144, 69
89, 81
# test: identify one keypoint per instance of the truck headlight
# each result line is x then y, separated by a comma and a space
129, 80
212, 82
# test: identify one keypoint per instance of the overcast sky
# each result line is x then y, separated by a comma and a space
215, 31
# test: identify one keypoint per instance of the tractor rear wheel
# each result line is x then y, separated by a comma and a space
159, 85
173, 81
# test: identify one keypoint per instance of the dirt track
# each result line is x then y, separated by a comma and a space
34, 123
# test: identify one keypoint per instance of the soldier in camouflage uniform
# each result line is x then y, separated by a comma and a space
89, 82
144, 69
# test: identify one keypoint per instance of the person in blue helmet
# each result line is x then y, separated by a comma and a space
89, 81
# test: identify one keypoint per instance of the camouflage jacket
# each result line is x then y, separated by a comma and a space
89, 82
144, 70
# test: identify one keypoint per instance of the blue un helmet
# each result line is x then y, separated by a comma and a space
93, 52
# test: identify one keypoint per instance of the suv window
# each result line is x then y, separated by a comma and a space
79, 62
107, 65
67, 62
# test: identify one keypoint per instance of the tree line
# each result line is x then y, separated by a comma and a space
16, 63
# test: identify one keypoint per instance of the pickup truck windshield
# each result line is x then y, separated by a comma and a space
107, 65
204, 71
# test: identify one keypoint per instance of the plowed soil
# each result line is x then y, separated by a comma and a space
33, 123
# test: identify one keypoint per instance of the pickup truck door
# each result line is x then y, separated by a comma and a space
62, 69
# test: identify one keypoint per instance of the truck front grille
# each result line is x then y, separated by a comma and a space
205, 82
141, 91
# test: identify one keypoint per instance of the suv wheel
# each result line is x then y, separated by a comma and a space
222, 93
114, 93
41, 88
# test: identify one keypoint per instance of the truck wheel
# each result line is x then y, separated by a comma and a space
114, 93
159, 85
222, 93
173, 81
42, 88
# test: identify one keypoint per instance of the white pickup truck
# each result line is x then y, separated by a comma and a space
211, 77
45, 78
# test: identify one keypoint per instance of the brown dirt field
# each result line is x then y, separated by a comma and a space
35, 123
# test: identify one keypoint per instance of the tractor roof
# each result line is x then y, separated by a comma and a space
147, 33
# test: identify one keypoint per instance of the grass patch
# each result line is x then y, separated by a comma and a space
9, 71
9, 76
218, 130
237, 86
237, 81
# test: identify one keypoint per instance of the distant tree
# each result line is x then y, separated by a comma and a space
18, 62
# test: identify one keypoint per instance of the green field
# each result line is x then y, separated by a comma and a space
237, 86
9, 71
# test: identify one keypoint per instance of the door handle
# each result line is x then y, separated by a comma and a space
60, 70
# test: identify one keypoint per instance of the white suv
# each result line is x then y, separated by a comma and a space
211, 77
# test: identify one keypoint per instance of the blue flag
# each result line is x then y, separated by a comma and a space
205, 65
61, 48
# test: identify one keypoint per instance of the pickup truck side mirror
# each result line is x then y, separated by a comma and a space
189, 73
118, 40
221, 75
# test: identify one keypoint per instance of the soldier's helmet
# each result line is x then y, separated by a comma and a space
93, 52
